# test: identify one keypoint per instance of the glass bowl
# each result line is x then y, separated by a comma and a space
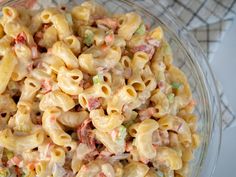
187, 55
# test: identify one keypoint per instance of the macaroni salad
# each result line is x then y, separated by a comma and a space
86, 93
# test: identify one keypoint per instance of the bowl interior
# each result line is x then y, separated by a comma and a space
189, 57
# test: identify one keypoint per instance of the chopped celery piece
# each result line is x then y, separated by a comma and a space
141, 30
159, 174
98, 79
4, 172
9, 154
171, 97
176, 85
88, 39
23, 175
69, 19
121, 135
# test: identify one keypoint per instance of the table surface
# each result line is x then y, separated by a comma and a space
224, 67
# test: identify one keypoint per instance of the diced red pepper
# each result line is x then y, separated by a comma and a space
85, 134
109, 38
46, 85
31, 165
146, 113
15, 160
153, 42
21, 38
101, 174
17, 170
104, 47
93, 103
149, 49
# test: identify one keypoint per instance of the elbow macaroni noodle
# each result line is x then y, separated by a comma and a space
105, 123
52, 127
85, 93
7, 65
143, 138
